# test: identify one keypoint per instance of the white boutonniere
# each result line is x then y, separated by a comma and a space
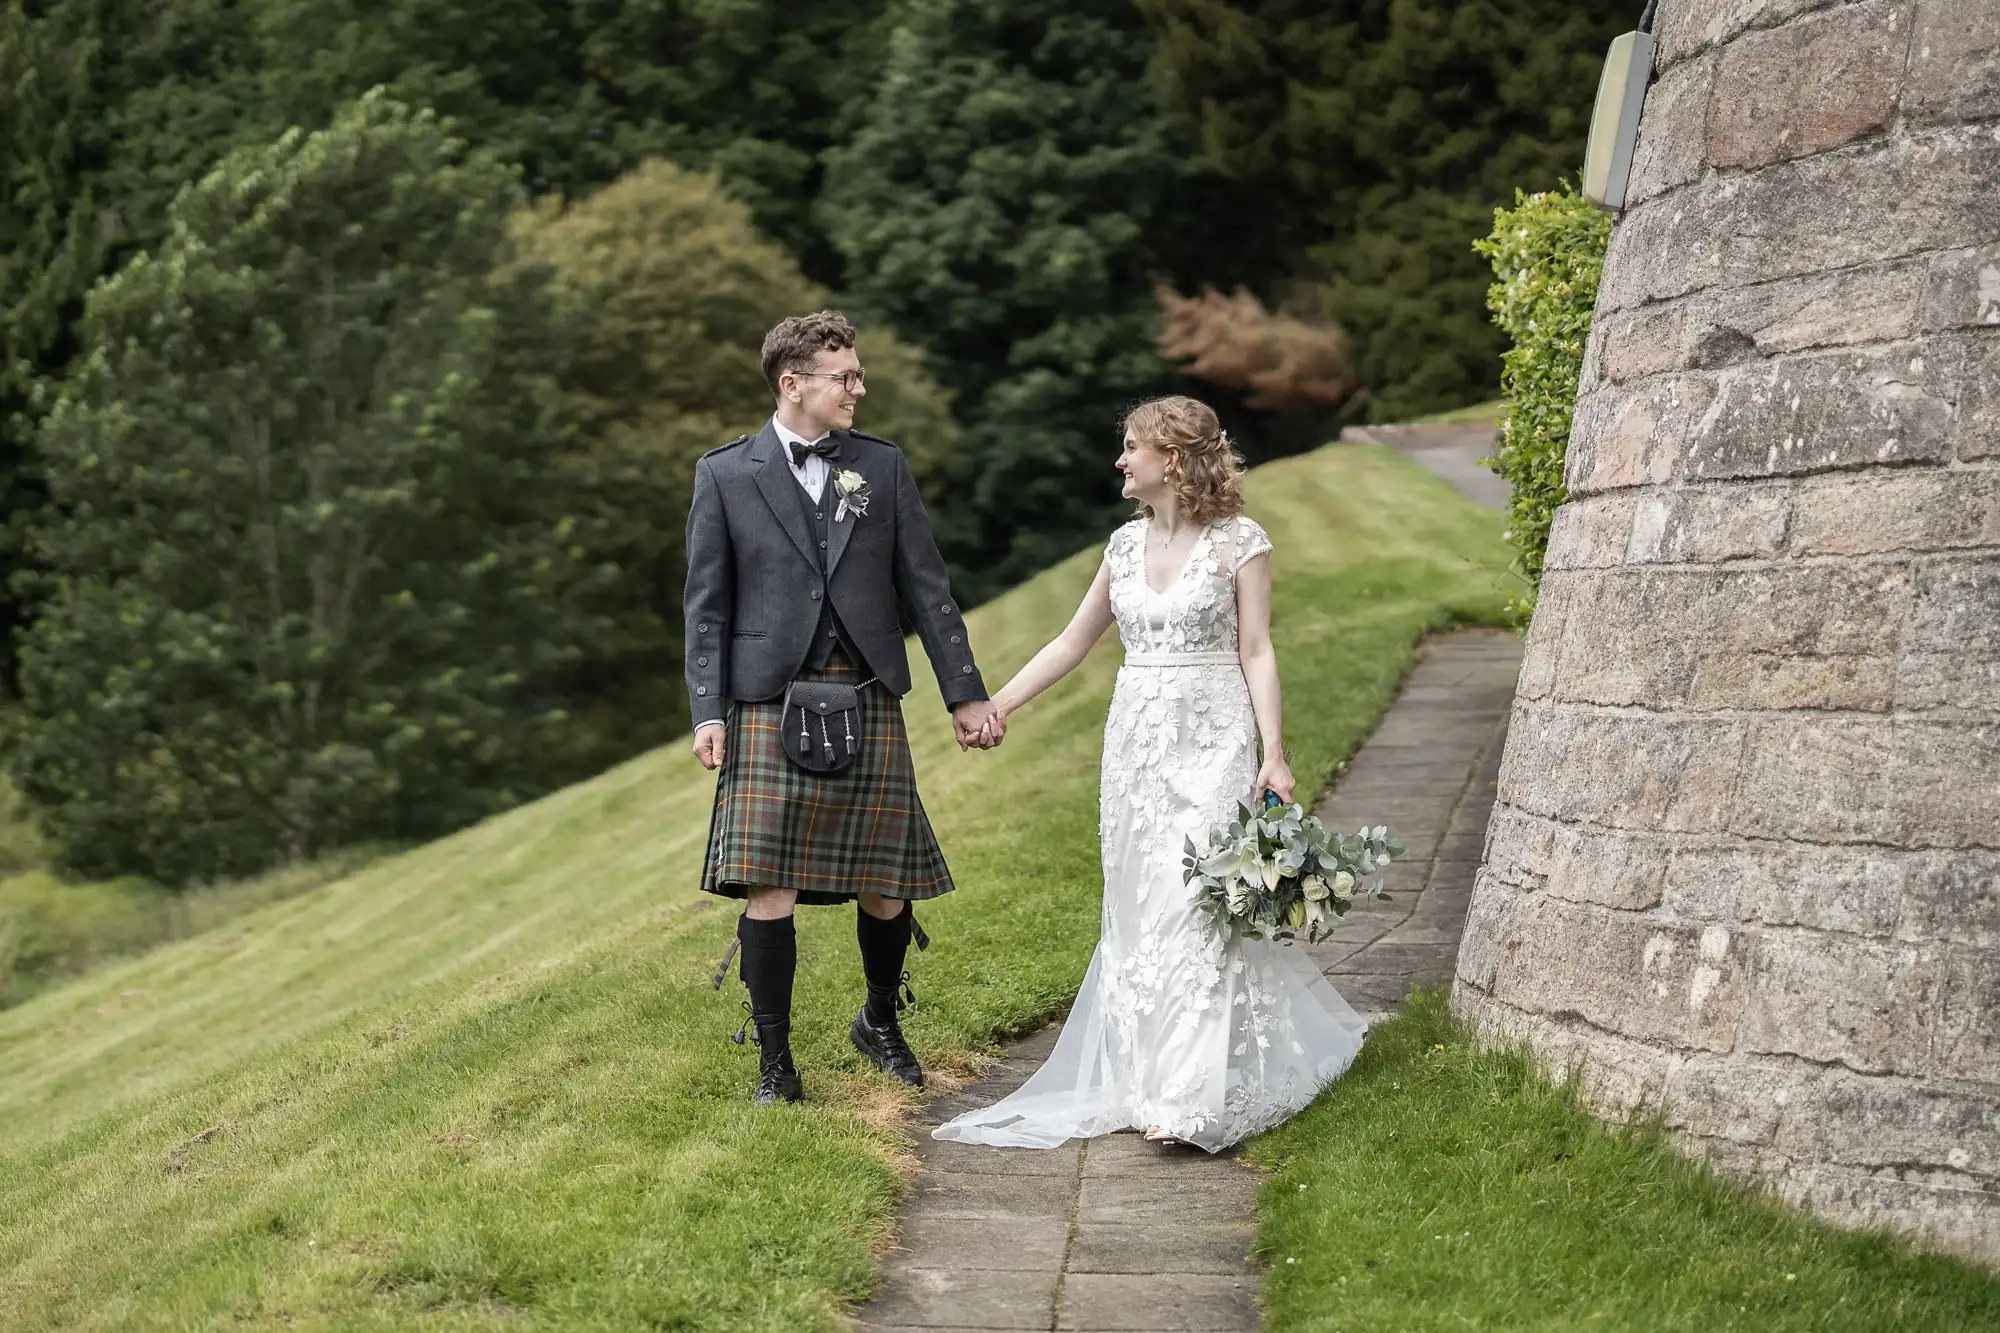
852, 488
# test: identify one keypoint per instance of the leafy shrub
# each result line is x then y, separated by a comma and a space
307, 583
1547, 252
673, 290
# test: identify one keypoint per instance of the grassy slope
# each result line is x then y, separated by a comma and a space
486, 1080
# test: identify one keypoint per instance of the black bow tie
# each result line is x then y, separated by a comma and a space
824, 447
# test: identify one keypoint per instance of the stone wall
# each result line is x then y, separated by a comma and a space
1746, 857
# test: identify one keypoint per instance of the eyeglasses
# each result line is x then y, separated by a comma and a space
850, 380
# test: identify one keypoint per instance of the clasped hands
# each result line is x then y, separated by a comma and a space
979, 724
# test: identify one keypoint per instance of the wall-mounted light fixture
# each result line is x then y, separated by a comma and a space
1614, 123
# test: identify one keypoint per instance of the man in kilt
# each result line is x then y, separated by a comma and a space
803, 540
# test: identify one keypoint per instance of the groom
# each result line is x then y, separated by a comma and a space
803, 540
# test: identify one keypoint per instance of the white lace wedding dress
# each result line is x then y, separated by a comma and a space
1173, 1029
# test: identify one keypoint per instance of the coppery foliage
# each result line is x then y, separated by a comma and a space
1233, 341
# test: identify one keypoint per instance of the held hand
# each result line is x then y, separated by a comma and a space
978, 723
1276, 775
710, 746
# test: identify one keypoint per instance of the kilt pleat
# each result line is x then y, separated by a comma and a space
829, 836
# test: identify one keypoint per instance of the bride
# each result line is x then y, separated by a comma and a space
1175, 1033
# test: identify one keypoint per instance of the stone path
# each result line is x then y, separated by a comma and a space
1429, 773
1117, 1233
1453, 452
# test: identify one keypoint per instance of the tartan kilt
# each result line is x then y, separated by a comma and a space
829, 836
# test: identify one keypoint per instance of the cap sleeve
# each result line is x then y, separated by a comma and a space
1251, 541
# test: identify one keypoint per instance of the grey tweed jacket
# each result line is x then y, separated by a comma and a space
754, 583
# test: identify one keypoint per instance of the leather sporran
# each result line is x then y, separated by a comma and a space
820, 727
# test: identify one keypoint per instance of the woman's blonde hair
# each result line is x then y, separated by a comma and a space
1208, 472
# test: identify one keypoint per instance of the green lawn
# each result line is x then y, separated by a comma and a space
1441, 1186
486, 1081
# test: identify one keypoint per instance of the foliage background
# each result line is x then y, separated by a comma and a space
997, 191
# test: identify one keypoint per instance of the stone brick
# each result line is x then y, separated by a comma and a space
1904, 781
1957, 1215
1682, 29
1636, 343
1819, 609
1877, 511
1857, 1120
1544, 646
1705, 526
1808, 86
1948, 680
1624, 972
1962, 288
1590, 533
1886, 200
1711, 330
1968, 1025
1953, 897
1487, 937
1617, 1076
1865, 683
1743, 1101
1875, 303
1957, 605
1621, 438
1976, 432
1673, 131
1822, 410
1837, 999
1632, 655
1852, 890
1954, 62
1624, 770
1614, 869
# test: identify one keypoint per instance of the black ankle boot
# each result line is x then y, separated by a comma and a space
777, 1077
883, 1044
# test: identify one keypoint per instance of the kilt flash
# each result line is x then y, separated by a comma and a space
829, 837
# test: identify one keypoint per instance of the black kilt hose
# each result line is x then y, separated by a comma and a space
832, 836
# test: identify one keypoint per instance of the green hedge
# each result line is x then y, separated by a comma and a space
1547, 252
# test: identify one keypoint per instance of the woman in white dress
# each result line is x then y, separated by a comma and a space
1175, 1033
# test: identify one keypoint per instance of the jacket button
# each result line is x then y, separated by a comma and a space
701, 689
822, 546
820, 515
701, 661
815, 594
702, 628
946, 608
965, 670
954, 638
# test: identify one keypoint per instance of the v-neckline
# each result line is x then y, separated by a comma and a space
1145, 577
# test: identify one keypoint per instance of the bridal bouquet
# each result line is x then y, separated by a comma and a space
1275, 871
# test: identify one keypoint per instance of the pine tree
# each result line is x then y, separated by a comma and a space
307, 584
1006, 203
1377, 137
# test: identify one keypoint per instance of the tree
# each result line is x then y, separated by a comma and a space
307, 584
1006, 203
675, 290
1377, 136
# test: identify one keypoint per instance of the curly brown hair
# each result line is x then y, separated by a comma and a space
794, 342
1207, 470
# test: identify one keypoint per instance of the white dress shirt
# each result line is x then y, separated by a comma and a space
811, 475
812, 472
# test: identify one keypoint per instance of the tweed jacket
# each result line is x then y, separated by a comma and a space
754, 584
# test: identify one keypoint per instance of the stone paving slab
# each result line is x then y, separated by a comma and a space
1120, 1234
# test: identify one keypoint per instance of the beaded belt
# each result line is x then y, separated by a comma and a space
1182, 659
